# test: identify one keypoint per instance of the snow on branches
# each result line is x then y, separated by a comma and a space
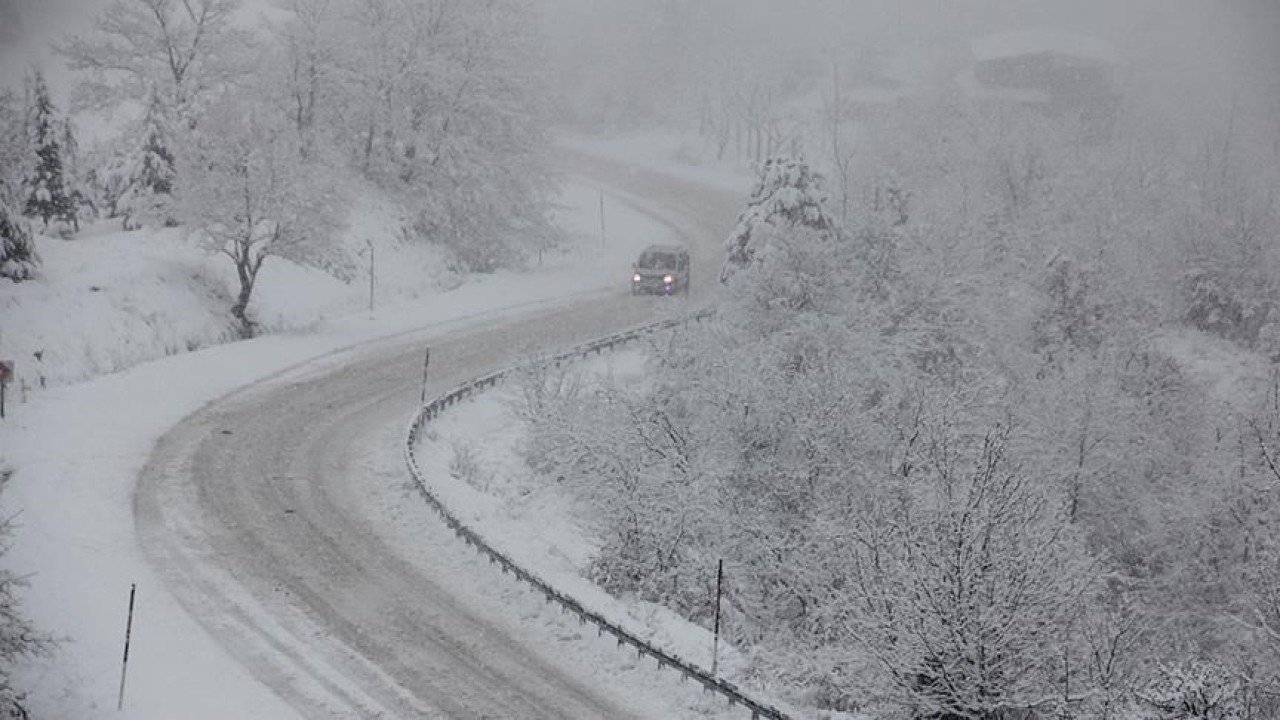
787, 195
246, 193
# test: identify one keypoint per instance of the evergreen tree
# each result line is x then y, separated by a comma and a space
47, 196
147, 194
73, 179
17, 256
787, 195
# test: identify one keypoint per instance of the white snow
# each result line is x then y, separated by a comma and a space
670, 153
536, 524
78, 448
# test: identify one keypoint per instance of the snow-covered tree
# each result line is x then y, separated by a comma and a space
787, 195
186, 50
970, 600
441, 103
147, 195
19, 639
18, 259
45, 186
310, 45
245, 192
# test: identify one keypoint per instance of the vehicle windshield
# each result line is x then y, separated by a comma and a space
655, 260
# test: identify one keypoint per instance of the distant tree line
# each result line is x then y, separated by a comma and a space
436, 103
961, 449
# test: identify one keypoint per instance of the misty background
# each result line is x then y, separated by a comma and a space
1034, 238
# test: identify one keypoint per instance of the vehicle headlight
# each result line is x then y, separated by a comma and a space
668, 279
635, 278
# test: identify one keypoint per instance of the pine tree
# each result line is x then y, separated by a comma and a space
73, 180
17, 256
147, 194
47, 196
787, 195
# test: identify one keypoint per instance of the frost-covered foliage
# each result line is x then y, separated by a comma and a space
19, 639
972, 580
147, 195
787, 195
826, 437
1195, 691
438, 102
184, 51
45, 186
245, 192
18, 259
953, 461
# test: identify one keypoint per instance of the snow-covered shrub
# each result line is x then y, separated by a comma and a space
18, 259
19, 640
1224, 308
787, 195
1194, 690
465, 466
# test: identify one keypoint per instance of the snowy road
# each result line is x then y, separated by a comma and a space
251, 510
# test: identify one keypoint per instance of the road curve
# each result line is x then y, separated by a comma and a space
244, 510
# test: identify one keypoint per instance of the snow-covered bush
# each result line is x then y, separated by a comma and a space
787, 195
1194, 690
1225, 308
148, 180
18, 258
19, 640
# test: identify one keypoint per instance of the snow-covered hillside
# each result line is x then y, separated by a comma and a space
106, 300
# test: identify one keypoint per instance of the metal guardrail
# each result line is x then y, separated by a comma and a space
432, 409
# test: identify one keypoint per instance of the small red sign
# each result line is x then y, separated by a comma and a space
6, 370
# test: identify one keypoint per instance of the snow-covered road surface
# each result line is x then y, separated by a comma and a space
252, 512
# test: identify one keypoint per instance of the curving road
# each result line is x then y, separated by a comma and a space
246, 510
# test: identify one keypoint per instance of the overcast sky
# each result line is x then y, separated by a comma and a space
1195, 56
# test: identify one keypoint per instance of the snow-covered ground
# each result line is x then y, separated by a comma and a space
78, 448
668, 152
108, 300
471, 457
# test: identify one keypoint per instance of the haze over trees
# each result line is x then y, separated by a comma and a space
437, 104
951, 428
953, 441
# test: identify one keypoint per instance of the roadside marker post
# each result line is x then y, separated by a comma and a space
128, 631
371, 277
426, 363
6, 372
715, 643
